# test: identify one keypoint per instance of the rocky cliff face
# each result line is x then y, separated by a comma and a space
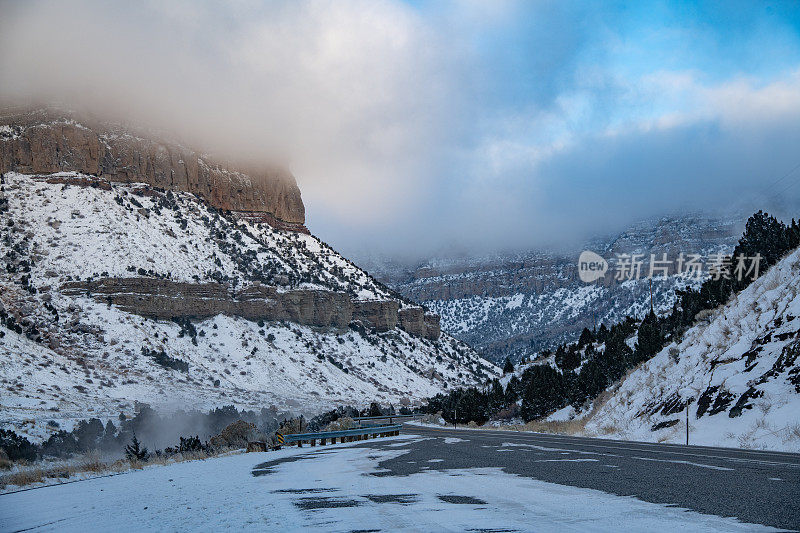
45, 142
517, 304
161, 298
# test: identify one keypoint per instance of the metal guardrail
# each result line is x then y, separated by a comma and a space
347, 435
382, 417
391, 418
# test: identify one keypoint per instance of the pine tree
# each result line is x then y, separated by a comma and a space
544, 392
108, 441
602, 333
568, 358
374, 409
496, 397
587, 337
766, 235
650, 339
512, 390
135, 452
508, 367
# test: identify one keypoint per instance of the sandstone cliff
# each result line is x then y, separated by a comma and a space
160, 298
45, 142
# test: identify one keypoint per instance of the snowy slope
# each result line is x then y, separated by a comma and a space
84, 232
739, 370
76, 357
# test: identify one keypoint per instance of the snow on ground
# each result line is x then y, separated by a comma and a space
740, 371
333, 489
296, 369
86, 231
93, 364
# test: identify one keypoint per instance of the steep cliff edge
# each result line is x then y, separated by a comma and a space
45, 142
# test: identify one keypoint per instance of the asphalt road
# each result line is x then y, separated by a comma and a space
753, 486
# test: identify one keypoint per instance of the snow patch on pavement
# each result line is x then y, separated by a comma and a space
335, 490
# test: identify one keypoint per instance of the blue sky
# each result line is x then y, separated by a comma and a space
418, 126
590, 115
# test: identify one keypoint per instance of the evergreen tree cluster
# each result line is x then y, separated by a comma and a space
375, 409
162, 359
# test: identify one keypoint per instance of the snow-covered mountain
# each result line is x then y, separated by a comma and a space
518, 304
737, 369
114, 292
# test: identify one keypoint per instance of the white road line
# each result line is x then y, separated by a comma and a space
652, 448
554, 436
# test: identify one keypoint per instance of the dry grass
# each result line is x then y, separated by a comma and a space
609, 429
5, 462
566, 427
91, 463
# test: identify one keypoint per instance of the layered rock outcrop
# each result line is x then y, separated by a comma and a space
380, 314
417, 322
44, 142
161, 298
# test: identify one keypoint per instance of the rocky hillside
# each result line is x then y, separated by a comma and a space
518, 304
113, 292
738, 370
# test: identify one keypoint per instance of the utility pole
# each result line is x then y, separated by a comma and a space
687, 422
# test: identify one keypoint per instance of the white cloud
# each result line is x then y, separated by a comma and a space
354, 95
399, 127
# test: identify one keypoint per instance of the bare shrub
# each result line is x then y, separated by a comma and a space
704, 315
237, 435
674, 354
432, 418
341, 424
92, 464
793, 432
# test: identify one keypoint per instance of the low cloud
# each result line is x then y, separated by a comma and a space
412, 128
353, 96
